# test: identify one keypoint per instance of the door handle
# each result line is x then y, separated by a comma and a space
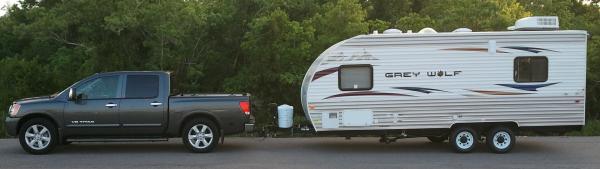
111, 105
155, 104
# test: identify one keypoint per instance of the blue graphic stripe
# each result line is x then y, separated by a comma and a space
420, 89
527, 87
529, 49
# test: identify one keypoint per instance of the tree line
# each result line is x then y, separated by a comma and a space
236, 46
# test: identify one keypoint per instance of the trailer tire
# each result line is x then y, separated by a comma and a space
500, 139
200, 135
463, 139
437, 139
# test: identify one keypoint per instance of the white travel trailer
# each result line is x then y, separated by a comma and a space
459, 85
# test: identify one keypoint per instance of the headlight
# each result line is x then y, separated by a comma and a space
14, 109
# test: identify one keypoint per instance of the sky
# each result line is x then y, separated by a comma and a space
4, 4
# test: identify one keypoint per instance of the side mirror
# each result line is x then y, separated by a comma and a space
72, 94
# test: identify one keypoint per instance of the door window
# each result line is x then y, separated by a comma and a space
99, 88
142, 86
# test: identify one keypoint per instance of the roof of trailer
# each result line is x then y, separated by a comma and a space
441, 34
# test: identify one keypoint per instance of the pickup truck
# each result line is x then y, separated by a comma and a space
126, 106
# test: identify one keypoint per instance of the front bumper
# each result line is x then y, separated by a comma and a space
11, 125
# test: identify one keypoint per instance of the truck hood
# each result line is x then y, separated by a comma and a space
33, 99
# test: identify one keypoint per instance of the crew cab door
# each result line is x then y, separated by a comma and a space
144, 106
96, 112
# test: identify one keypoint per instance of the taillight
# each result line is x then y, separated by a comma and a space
14, 109
245, 106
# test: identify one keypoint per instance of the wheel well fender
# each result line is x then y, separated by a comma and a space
484, 127
36, 115
191, 116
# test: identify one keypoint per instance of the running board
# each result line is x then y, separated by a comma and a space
120, 140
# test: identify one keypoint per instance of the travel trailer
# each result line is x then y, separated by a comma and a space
461, 86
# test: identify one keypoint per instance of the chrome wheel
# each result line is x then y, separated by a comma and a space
37, 137
501, 140
200, 136
464, 140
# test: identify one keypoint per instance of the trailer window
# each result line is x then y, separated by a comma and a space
531, 69
355, 77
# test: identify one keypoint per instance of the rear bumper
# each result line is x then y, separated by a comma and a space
11, 125
249, 124
248, 127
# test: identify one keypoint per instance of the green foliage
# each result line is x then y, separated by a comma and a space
335, 21
414, 22
591, 128
474, 14
250, 46
378, 25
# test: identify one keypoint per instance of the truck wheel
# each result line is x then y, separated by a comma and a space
463, 139
200, 135
437, 139
500, 139
38, 136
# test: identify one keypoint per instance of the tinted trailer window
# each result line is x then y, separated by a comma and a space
531, 69
355, 77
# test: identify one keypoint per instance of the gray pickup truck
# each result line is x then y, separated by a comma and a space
126, 106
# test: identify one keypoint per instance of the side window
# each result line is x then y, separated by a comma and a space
141, 86
531, 69
355, 77
99, 88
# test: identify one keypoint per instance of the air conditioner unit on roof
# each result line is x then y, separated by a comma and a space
536, 23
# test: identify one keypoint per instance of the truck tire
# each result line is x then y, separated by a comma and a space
200, 135
38, 136
463, 139
500, 139
437, 139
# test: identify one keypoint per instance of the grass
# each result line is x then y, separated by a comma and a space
591, 128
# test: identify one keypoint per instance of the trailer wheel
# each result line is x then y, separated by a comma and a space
38, 136
200, 135
463, 139
437, 139
500, 139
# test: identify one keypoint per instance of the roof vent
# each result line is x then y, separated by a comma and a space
536, 23
392, 31
462, 30
427, 30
